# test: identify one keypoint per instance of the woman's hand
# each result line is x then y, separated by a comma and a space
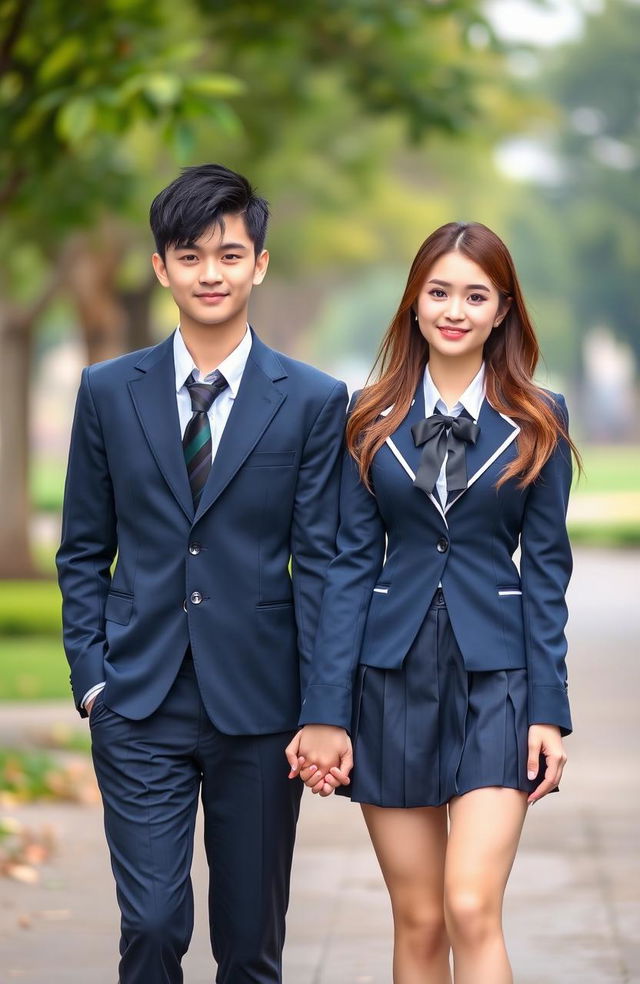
322, 756
545, 739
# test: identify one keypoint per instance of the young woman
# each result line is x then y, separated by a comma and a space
442, 658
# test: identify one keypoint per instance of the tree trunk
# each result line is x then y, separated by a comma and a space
136, 304
16, 337
91, 269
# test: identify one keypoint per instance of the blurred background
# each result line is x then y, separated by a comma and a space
366, 124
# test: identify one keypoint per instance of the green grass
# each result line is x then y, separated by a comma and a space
610, 468
622, 534
30, 608
33, 668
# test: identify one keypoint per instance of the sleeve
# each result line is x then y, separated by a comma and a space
350, 579
315, 518
88, 547
545, 570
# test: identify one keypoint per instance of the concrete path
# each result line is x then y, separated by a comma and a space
573, 903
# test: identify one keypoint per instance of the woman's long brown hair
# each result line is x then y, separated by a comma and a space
510, 354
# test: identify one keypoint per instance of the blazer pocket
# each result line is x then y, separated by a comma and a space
270, 459
270, 605
118, 607
509, 590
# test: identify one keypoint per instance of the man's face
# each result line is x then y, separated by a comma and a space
211, 279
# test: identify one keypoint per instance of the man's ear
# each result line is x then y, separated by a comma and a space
261, 267
160, 269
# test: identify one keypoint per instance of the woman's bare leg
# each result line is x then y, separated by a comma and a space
485, 829
411, 845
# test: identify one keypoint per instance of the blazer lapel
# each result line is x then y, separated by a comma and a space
497, 432
403, 446
254, 407
154, 396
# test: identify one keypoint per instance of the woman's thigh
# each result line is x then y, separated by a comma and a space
411, 847
485, 828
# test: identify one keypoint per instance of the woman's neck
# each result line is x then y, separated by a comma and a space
452, 376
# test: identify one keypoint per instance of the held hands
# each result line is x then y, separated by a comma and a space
545, 740
322, 756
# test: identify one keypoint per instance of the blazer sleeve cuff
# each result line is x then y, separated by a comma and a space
550, 705
324, 704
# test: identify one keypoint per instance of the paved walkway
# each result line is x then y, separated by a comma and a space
573, 903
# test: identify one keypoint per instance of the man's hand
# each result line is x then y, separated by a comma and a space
89, 704
322, 756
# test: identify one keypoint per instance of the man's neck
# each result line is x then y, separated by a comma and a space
208, 346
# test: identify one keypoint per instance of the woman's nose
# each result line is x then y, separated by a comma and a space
454, 308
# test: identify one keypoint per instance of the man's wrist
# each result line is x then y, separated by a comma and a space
92, 694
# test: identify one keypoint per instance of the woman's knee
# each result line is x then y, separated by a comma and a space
421, 928
471, 915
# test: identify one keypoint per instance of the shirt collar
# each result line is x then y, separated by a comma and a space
471, 399
231, 368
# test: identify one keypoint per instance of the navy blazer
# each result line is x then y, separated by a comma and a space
220, 580
396, 544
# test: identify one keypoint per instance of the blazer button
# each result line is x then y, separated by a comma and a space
196, 598
442, 545
194, 549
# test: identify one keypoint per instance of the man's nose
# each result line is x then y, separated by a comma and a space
210, 272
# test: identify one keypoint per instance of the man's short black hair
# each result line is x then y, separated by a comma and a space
199, 199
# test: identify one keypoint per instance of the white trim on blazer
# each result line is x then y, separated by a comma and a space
476, 475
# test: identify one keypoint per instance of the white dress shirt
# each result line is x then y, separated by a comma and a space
471, 401
232, 369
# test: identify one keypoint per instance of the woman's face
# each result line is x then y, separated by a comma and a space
458, 307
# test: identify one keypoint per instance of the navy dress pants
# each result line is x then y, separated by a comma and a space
150, 773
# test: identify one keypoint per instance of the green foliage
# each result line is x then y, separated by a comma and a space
30, 608
594, 214
47, 485
26, 775
77, 79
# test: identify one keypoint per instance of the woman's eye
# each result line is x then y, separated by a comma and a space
437, 292
477, 297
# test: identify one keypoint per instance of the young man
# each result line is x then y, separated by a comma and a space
206, 464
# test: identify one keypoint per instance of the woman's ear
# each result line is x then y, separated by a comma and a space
503, 310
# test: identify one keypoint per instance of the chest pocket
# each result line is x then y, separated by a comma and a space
270, 459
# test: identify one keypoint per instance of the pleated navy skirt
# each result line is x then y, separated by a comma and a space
430, 730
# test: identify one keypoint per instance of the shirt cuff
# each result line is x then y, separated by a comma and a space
92, 693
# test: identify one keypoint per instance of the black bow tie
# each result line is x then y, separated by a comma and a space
440, 434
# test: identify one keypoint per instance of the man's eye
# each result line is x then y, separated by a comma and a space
231, 256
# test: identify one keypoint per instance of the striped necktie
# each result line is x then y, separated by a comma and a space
196, 442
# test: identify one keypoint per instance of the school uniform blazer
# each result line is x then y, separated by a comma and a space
217, 580
397, 544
